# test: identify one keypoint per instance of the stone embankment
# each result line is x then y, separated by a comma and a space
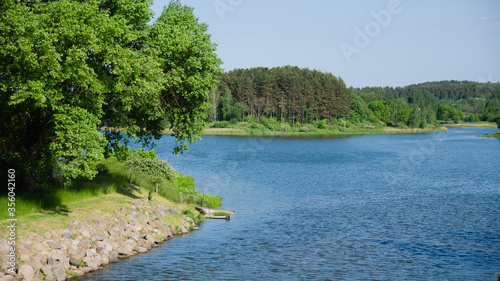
84, 246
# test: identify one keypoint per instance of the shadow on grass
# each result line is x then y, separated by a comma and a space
60, 210
128, 191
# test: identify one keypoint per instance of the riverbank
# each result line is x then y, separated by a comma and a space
473, 125
495, 135
320, 132
69, 242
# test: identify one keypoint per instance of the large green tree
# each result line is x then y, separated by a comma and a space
70, 69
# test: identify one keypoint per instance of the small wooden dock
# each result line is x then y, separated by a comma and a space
214, 213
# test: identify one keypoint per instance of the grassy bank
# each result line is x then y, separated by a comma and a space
475, 124
495, 135
246, 129
108, 191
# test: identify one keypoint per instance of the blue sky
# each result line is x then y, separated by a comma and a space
366, 43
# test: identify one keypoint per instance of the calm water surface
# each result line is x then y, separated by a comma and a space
381, 207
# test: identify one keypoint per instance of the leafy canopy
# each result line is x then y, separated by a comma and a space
70, 70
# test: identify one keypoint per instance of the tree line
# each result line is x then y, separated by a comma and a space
285, 93
292, 94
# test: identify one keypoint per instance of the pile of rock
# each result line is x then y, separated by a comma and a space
90, 244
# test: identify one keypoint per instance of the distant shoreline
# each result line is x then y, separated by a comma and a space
366, 131
481, 125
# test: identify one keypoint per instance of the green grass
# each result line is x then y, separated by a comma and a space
220, 214
495, 135
112, 181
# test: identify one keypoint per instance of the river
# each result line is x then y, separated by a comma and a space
379, 207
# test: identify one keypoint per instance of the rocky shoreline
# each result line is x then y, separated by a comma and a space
88, 245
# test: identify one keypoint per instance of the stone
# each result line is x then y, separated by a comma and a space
89, 262
40, 238
90, 253
75, 262
54, 245
142, 250
26, 271
113, 257
108, 247
66, 235
150, 238
183, 230
59, 273
123, 251
7, 278
97, 237
133, 235
38, 246
85, 233
24, 257
143, 235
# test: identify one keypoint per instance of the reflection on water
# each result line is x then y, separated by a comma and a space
386, 207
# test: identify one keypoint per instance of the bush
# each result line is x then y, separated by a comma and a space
221, 124
374, 119
307, 128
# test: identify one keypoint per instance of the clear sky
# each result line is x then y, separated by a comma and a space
365, 42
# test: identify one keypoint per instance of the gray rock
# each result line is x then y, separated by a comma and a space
7, 278
183, 230
97, 237
46, 270
40, 238
26, 271
113, 257
142, 250
59, 273
89, 262
108, 247
75, 262
143, 235
54, 245
90, 253
123, 251
66, 235
38, 246
133, 235
85, 233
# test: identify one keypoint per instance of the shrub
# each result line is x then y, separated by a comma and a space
374, 119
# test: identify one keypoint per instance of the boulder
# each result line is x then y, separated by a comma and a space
133, 235
123, 251
59, 273
38, 246
54, 245
27, 272
7, 278
90, 252
40, 238
97, 237
66, 235
75, 262
113, 256
141, 250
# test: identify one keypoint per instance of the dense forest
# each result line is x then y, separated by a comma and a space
295, 95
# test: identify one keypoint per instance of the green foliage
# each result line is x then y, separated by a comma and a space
193, 214
190, 66
217, 214
157, 170
381, 110
404, 116
69, 69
